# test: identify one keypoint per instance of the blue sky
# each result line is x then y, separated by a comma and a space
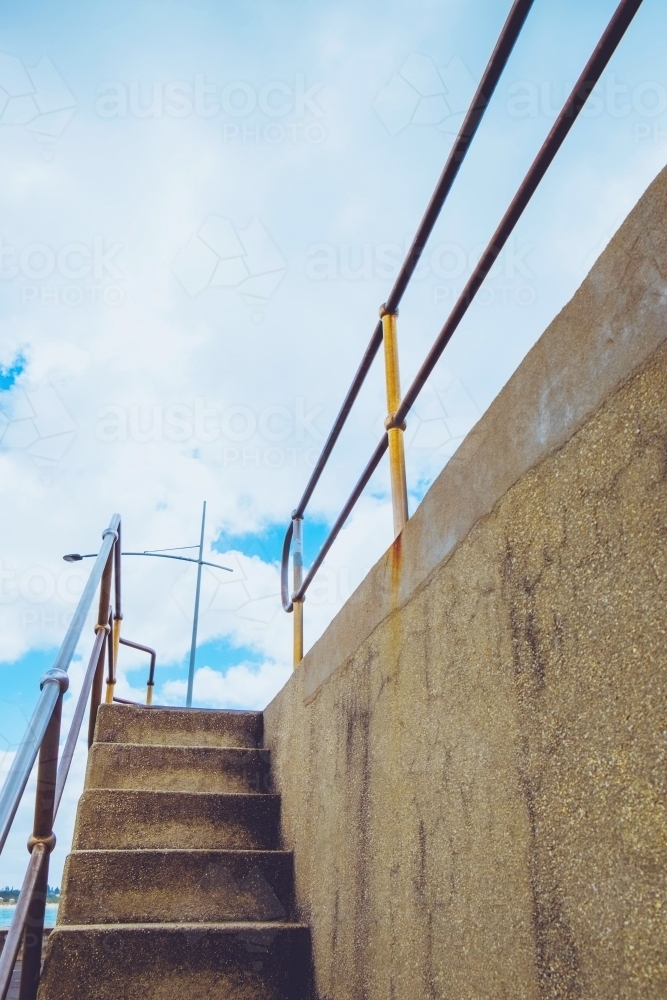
201, 215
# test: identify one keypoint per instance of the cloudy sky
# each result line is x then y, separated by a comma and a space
202, 208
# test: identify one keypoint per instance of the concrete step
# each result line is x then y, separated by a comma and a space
116, 819
177, 768
236, 961
178, 726
3, 937
176, 886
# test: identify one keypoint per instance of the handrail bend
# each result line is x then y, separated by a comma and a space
151, 670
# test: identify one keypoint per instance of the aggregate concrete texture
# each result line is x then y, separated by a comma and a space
177, 768
190, 727
472, 760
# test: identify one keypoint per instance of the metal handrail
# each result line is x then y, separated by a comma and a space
151, 670
605, 48
480, 102
43, 737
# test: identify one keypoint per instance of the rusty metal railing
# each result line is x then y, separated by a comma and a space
385, 330
43, 738
151, 670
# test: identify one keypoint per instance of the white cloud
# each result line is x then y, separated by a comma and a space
246, 685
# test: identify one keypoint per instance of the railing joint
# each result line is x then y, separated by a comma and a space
55, 676
48, 843
383, 311
391, 425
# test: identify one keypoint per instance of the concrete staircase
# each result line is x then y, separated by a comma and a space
176, 888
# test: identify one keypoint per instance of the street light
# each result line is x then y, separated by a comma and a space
162, 554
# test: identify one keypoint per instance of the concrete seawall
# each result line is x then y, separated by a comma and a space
472, 759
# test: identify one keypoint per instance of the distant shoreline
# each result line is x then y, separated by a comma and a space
12, 906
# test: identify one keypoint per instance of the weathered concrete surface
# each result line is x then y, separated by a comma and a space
472, 760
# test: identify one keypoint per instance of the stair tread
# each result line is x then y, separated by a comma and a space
223, 851
224, 926
151, 726
133, 818
200, 886
181, 747
207, 769
242, 960
134, 792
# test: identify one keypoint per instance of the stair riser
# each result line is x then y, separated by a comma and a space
178, 727
198, 964
125, 820
175, 886
179, 769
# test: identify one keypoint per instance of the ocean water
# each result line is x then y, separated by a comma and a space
7, 912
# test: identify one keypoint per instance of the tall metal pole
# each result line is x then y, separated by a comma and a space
191, 672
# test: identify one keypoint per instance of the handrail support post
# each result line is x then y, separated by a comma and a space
105, 621
118, 612
96, 688
399, 489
